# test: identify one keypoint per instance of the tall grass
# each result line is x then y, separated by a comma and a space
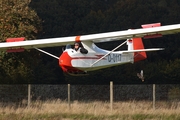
57, 109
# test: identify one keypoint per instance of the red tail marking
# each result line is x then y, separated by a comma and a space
138, 44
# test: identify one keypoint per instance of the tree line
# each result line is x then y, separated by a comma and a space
58, 18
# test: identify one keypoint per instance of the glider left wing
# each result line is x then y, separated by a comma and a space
101, 37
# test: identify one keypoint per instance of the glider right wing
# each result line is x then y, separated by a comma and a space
151, 30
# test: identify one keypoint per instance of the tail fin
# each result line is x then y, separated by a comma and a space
135, 44
138, 44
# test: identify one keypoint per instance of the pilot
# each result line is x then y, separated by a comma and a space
79, 46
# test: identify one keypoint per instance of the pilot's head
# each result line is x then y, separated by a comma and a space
76, 46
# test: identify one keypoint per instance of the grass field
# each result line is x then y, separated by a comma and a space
59, 110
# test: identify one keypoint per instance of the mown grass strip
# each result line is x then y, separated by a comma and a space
83, 116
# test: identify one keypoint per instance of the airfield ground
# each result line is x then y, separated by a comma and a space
57, 109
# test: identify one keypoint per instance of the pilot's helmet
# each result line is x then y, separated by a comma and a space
76, 44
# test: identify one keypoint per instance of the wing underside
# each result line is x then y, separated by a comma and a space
101, 37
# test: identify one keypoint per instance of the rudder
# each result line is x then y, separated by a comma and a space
138, 44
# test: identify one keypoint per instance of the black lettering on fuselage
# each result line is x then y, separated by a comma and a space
114, 57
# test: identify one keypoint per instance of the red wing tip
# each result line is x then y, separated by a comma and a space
151, 25
15, 39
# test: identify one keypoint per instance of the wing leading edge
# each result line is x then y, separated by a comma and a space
100, 37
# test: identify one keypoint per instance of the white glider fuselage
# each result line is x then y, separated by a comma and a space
88, 62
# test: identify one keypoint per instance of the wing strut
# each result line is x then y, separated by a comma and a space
109, 53
46, 53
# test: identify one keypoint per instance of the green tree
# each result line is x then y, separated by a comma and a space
17, 19
171, 71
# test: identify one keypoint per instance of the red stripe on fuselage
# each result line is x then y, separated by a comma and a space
98, 57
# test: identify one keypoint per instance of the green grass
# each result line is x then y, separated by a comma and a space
57, 110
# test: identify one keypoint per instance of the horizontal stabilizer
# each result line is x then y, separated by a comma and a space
142, 50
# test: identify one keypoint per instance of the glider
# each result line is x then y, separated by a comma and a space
76, 63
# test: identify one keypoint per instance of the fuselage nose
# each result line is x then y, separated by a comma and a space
65, 61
